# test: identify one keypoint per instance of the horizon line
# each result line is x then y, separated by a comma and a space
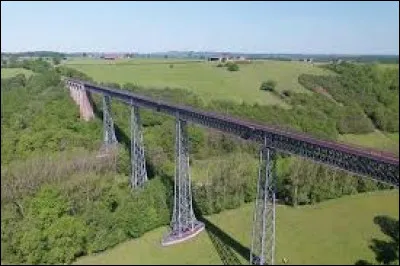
191, 51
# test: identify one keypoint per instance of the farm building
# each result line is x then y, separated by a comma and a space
109, 57
225, 58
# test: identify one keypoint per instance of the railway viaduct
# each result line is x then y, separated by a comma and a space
184, 225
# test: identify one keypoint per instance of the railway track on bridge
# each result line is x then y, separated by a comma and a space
184, 225
383, 167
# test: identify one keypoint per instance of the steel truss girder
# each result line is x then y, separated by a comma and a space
138, 160
263, 235
355, 162
108, 124
359, 165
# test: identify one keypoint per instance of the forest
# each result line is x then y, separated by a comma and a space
59, 201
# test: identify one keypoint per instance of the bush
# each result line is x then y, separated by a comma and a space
220, 65
232, 67
353, 120
59, 224
268, 85
232, 182
375, 90
287, 93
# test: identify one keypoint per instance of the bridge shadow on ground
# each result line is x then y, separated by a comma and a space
120, 135
224, 244
386, 252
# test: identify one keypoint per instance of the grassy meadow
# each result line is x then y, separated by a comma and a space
333, 232
204, 78
375, 140
11, 72
212, 82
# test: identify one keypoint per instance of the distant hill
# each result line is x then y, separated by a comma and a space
390, 59
35, 54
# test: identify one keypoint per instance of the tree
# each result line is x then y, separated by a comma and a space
56, 60
232, 67
268, 85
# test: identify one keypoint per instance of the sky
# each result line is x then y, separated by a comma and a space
244, 27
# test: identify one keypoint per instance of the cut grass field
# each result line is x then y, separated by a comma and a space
204, 78
11, 72
334, 232
376, 140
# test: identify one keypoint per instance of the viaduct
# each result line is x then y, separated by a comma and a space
184, 225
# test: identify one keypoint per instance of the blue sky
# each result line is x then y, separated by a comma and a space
249, 27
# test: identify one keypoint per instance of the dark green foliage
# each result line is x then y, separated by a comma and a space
268, 85
48, 119
304, 182
353, 120
72, 73
230, 183
287, 93
38, 65
375, 90
124, 161
53, 231
13, 82
232, 66
56, 60
36, 54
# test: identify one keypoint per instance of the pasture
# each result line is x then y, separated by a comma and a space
11, 72
333, 232
376, 140
212, 82
204, 78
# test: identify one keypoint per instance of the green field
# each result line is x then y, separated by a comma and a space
376, 140
204, 78
333, 232
11, 72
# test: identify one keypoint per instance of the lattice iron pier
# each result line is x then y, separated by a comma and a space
108, 124
110, 140
138, 160
263, 236
184, 224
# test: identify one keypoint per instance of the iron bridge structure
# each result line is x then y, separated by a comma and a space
365, 163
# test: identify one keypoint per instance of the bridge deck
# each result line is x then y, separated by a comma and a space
381, 166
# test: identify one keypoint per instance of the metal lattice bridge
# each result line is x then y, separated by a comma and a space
184, 225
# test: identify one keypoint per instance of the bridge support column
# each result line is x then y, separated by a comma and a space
138, 161
79, 95
184, 224
74, 93
108, 124
86, 109
263, 236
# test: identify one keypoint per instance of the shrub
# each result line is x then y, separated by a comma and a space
232, 67
353, 120
268, 85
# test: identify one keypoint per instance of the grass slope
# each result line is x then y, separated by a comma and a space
207, 80
11, 72
334, 232
376, 140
